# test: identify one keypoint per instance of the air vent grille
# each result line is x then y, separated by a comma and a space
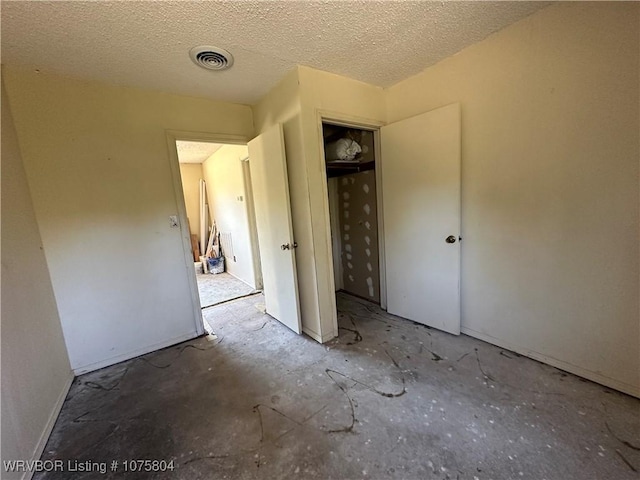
211, 58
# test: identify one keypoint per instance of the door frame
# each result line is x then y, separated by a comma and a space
251, 217
344, 120
181, 135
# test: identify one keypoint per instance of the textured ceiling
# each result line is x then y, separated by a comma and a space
195, 152
146, 44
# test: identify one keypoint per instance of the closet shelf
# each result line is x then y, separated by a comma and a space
336, 169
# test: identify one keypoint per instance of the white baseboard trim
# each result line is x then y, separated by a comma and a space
329, 336
135, 353
633, 390
243, 281
44, 437
312, 334
317, 337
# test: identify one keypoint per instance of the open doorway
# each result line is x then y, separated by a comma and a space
260, 196
216, 185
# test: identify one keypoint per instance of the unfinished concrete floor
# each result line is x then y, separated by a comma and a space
220, 287
387, 399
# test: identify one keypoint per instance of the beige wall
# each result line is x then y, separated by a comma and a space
228, 207
296, 102
550, 129
97, 163
336, 234
333, 97
550, 191
35, 367
282, 105
191, 173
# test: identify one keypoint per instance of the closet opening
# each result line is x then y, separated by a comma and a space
350, 160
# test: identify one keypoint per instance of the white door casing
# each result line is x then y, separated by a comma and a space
273, 221
421, 208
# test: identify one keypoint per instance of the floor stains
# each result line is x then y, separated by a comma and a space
463, 356
180, 350
347, 428
114, 386
260, 328
386, 399
357, 337
627, 462
435, 357
486, 375
362, 384
624, 442
256, 409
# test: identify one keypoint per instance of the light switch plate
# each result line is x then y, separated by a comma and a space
173, 221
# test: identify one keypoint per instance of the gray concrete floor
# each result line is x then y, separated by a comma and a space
220, 287
387, 399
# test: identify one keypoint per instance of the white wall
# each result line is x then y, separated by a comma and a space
228, 207
550, 129
97, 163
36, 374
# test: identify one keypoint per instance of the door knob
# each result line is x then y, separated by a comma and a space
288, 246
450, 239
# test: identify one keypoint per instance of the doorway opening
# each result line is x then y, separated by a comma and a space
354, 210
216, 185
247, 187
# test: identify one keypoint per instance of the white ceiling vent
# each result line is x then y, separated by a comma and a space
211, 58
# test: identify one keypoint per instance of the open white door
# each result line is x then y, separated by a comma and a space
273, 222
421, 208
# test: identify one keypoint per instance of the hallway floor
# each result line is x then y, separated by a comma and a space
220, 287
387, 399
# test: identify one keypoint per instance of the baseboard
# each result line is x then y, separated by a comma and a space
329, 336
312, 334
317, 337
359, 297
243, 281
44, 437
135, 353
633, 390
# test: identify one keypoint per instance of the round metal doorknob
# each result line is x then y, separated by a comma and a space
450, 239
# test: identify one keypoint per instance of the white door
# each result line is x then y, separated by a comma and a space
421, 208
273, 222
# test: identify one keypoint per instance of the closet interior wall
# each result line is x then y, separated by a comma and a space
354, 215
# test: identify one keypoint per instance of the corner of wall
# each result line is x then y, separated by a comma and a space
283, 105
32, 392
324, 93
